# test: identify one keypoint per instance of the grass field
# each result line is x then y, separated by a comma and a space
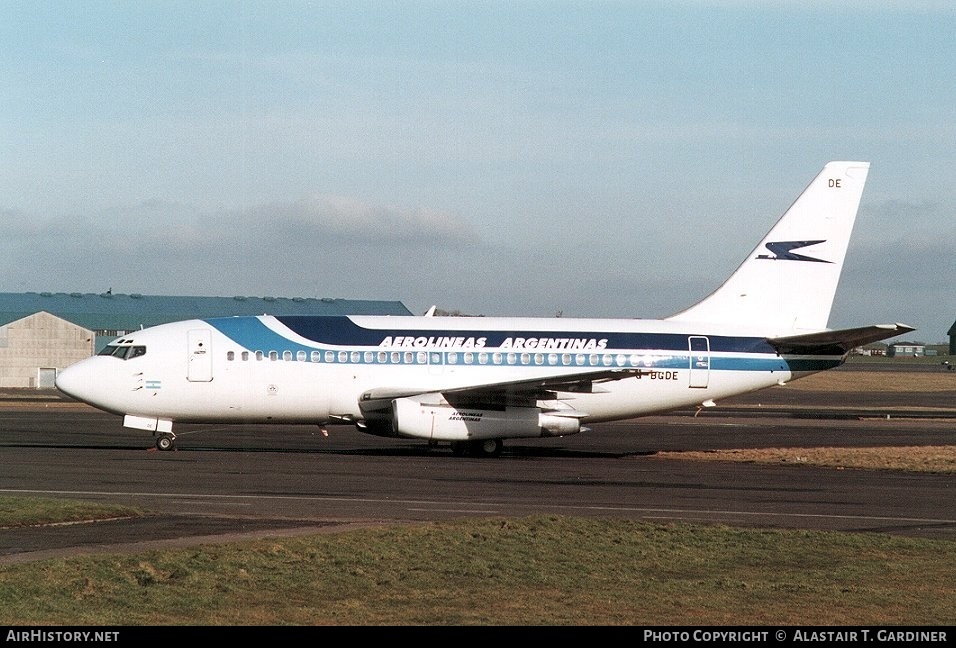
529, 571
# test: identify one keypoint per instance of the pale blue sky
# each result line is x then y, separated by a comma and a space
505, 158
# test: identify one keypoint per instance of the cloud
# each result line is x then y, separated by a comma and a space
907, 280
170, 248
347, 220
900, 218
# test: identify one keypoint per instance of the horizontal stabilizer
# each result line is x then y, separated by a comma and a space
841, 340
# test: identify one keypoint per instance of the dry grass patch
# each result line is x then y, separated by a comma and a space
878, 381
940, 459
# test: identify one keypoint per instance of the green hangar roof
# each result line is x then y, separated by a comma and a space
109, 311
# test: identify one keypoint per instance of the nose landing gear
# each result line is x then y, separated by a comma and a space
166, 441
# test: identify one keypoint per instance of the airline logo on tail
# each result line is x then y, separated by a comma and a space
783, 251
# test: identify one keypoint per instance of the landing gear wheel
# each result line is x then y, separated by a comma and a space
490, 447
487, 447
165, 441
482, 448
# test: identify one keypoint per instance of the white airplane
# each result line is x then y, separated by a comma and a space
473, 382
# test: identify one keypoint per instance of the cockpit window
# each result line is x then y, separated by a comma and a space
114, 350
122, 352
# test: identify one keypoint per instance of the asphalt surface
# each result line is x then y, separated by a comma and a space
229, 482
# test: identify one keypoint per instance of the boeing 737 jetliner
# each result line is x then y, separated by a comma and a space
473, 382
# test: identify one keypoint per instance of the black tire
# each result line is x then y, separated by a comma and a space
165, 442
460, 448
487, 447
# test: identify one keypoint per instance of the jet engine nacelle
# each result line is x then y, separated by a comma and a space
442, 422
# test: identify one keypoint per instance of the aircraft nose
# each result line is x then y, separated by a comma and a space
76, 380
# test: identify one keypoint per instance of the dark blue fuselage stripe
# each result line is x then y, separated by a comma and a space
342, 331
252, 334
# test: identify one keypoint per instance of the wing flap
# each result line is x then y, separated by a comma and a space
514, 392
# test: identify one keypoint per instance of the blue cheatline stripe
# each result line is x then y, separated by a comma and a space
252, 334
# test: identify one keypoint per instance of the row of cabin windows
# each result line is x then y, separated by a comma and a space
421, 357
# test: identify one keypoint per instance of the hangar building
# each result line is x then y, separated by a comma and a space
41, 333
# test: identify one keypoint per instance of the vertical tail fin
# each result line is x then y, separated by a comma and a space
787, 284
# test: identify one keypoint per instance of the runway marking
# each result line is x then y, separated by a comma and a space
39, 525
434, 504
438, 510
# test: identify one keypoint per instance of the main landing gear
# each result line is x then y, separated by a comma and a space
482, 448
166, 441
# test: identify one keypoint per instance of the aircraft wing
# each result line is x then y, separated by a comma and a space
840, 340
513, 392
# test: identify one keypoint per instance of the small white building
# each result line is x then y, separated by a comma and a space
905, 349
34, 348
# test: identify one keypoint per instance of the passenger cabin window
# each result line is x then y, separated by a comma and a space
230, 355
